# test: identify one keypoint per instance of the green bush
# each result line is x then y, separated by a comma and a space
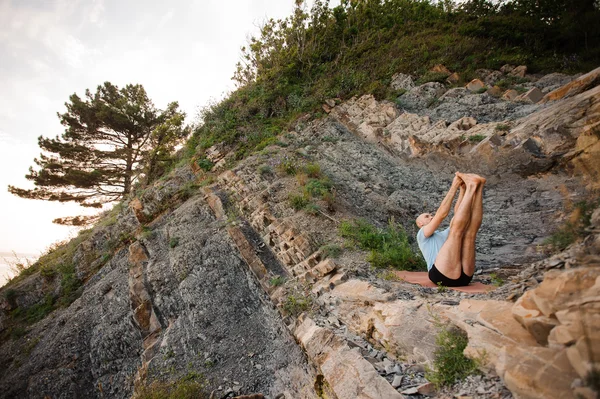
496, 280
70, 284
501, 127
265, 170
331, 251
476, 138
430, 76
288, 166
192, 387
570, 231
388, 247
296, 304
297, 201
173, 242
317, 188
276, 281
312, 170
40, 310
312, 209
450, 364
205, 164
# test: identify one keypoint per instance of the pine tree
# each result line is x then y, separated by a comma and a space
112, 138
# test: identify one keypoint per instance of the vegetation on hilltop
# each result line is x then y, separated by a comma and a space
355, 48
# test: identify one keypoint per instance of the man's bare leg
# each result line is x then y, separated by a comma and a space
449, 259
468, 245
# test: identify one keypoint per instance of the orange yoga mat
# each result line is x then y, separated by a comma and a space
422, 278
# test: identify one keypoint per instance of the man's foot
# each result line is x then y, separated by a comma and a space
471, 178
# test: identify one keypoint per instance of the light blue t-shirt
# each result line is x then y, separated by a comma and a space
430, 246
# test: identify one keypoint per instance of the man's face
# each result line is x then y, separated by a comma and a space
424, 219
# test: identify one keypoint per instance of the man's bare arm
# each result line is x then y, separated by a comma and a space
444, 208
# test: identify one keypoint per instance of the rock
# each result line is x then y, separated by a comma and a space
475, 85
326, 108
507, 68
401, 81
510, 95
494, 91
552, 81
325, 267
463, 124
346, 372
532, 96
411, 391
421, 96
584, 355
526, 312
439, 68
397, 381
492, 78
579, 85
330, 102
453, 78
519, 71
426, 389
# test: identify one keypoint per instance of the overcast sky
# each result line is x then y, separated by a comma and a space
182, 51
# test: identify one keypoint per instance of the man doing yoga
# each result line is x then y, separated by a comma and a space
450, 254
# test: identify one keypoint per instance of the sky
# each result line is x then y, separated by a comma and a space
182, 51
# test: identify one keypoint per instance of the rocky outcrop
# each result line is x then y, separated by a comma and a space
212, 281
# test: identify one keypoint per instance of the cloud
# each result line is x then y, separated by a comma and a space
165, 18
96, 12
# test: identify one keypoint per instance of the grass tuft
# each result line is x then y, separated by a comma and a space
389, 247
450, 364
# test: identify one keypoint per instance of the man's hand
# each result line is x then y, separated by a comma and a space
457, 182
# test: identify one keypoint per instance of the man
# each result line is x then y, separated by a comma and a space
450, 254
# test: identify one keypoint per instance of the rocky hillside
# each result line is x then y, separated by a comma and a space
242, 280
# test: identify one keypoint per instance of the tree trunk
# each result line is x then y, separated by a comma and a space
128, 167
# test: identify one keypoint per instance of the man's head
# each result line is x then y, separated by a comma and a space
423, 219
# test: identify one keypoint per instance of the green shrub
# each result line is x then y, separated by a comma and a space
297, 201
312, 170
496, 280
173, 242
17, 332
502, 127
312, 209
329, 139
482, 90
388, 275
476, 138
40, 310
276, 281
317, 188
296, 304
510, 81
70, 284
184, 388
331, 251
450, 364
388, 247
288, 166
205, 164
11, 296
570, 231
265, 170
430, 76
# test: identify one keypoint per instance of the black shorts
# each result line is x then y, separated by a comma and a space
438, 278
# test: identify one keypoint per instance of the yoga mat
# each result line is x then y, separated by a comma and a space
422, 278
